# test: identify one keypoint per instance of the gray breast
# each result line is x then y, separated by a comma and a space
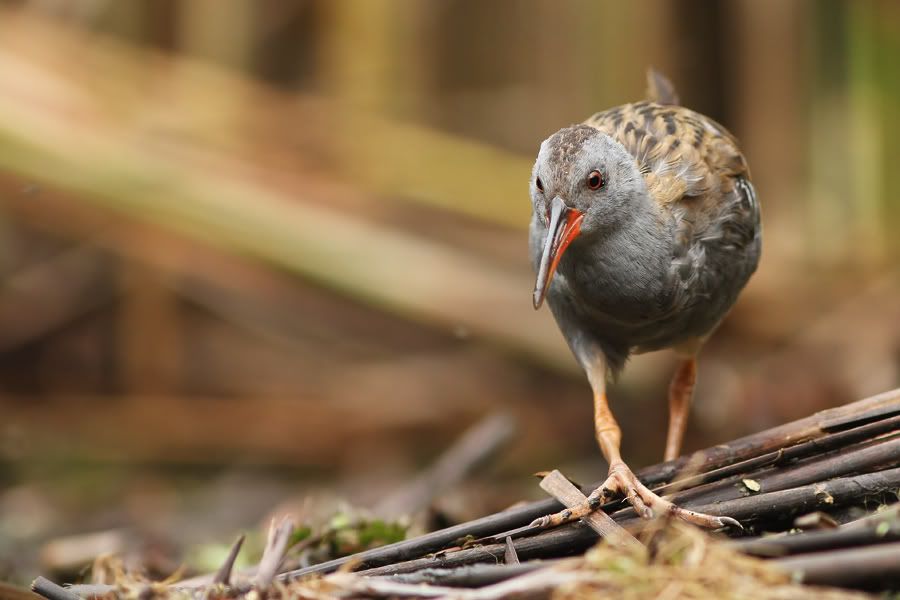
626, 297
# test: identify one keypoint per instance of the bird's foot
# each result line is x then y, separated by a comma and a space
646, 503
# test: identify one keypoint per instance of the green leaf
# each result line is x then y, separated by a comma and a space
300, 534
378, 532
340, 521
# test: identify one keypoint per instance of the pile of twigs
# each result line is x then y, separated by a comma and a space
839, 470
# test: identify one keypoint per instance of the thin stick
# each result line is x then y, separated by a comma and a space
815, 541
510, 557
433, 542
839, 422
51, 591
837, 464
276, 546
473, 575
476, 445
785, 503
536, 584
514, 521
889, 514
564, 540
815, 446
575, 537
757, 444
833, 465
223, 575
352, 584
845, 567
556, 484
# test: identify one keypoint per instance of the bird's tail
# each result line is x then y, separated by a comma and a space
660, 89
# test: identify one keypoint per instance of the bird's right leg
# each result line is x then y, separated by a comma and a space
609, 438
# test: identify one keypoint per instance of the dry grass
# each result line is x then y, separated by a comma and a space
685, 563
679, 562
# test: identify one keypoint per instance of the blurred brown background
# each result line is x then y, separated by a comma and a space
254, 249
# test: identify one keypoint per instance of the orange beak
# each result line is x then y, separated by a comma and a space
565, 225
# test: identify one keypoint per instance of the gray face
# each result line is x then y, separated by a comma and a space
564, 168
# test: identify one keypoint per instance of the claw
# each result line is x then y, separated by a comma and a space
639, 505
645, 502
729, 522
540, 522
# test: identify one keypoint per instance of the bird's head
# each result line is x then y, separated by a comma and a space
584, 184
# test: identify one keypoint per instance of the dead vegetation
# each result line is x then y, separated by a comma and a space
817, 499
675, 561
204, 267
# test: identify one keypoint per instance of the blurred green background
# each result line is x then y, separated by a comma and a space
257, 251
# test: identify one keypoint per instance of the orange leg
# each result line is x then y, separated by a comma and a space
621, 479
681, 391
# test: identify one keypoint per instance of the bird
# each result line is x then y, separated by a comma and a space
645, 227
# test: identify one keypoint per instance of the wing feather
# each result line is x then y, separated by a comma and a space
695, 171
680, 152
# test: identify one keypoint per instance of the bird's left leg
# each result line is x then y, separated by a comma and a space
681, 391
621, 479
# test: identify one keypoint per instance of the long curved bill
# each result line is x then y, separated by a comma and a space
565, 225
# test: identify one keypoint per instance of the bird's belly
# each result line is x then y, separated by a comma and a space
618, 301
642, 320
639, 334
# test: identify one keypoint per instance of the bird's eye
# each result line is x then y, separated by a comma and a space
539, 184
595, 180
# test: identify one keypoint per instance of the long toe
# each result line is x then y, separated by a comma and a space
563, 516
697, 518
648, 504
610, 488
